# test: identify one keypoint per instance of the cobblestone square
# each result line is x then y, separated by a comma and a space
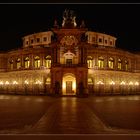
69, 115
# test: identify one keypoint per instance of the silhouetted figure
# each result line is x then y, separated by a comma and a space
81, 88
57, 87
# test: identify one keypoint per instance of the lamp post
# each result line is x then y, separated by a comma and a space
122, 87
26, 86
1, 85
100, 85
130, 87
38, 83
137, 86
112, 83
7, 86
15, 86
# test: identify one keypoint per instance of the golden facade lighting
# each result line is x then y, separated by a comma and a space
69, 55
1, 82
137, 83
122, 83
26, 82
15, 82
130, 83
38, 82
6, 83
112, 83
100, 83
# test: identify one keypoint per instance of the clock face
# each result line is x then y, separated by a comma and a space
69, 40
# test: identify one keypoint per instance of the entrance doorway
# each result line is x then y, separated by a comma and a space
69, 87
69, 84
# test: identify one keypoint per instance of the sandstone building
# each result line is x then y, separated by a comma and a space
69, 60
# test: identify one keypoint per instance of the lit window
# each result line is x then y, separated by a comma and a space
48, 61
111, 63
68, 61
90, 81
11, 64
119, 64
101, 62
26, 62
126, 65
37, 62
90, 62
18, 63
48, 80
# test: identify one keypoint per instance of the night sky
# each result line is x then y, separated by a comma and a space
119, 20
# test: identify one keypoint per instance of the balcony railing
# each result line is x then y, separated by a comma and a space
69, 65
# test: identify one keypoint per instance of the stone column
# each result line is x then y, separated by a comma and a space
31, 59
41, 60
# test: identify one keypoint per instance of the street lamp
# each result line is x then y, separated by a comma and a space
15, 85
26, 82
7, 84
122, 86
122, 83
137, 86
1, 82
130, 87
112, 83
1, 85
26, 85
136, 83
38, 83
100, 83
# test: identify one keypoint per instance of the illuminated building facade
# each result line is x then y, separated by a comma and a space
69, 60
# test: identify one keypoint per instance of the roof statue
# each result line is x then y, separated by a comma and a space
69, 19
82, 24
55, 24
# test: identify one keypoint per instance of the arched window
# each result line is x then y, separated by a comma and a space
18, 63
119, 64
48, 61
90, 61
48, 80
37, 61
11, 64
69, 58
27, 62
100, 62
90, 81
111, 63
126, 65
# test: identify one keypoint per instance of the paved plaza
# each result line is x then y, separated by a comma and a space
69, 115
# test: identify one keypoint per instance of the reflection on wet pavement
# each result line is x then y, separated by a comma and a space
69, 115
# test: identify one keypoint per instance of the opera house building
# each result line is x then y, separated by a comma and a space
69, 60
